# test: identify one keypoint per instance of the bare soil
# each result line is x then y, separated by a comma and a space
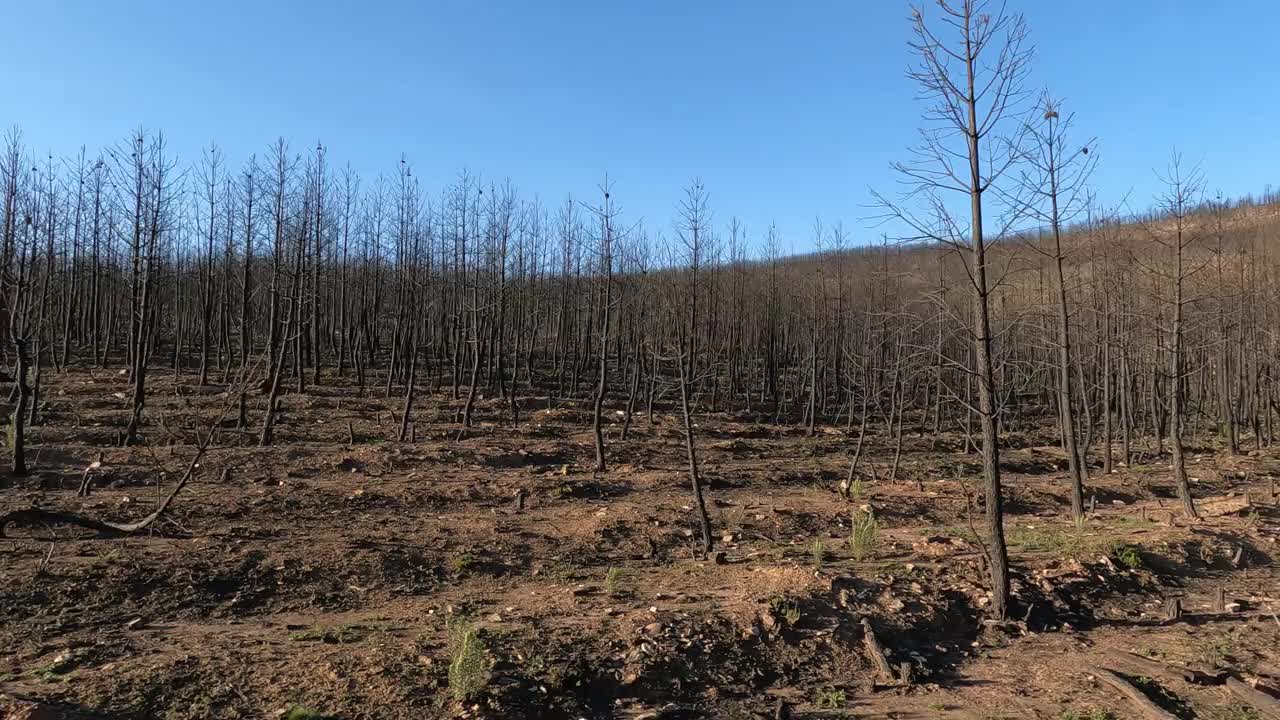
322, 574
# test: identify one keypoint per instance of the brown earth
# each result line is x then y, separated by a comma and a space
324, 575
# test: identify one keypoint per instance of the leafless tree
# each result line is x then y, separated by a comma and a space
973, 59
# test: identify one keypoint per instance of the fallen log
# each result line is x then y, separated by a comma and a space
1140, 701
1267, 706
1217, 507
1156, 668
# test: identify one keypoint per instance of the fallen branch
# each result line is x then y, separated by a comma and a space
105, 529
35, 515
1140, 701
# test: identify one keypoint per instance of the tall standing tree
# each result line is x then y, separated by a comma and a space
211, 180
1055, 177
149, 190
21, 226
607, 214
972, 64
692, 227
1177, 235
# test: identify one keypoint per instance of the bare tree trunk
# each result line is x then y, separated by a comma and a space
691, 453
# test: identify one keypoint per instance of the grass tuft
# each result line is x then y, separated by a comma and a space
468, 665
864, 536
613, 581
819, 553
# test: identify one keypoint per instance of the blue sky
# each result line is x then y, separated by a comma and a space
786, 111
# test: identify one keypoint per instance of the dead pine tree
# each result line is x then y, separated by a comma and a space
148, 190
409, 241
1176, 234
973, 78
1054, 177
693, 223
607, 213
284, 286
248, 194
211, 169
22, 219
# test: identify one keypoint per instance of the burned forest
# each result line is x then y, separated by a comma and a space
286, 440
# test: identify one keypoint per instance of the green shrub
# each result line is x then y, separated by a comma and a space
1129, 556
831, 699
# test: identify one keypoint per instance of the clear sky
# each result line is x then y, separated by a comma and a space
786, 110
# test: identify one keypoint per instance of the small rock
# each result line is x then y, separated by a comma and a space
653, 628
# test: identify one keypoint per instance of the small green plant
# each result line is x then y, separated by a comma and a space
302, 712
613, 581
831, 699
468, 666
1129, 556
791, 615
787, 610
937, 706
1214, 651
856, 489
462, 562
819, 552
1162, 697
864, 534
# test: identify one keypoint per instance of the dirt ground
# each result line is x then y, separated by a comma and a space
376, 579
